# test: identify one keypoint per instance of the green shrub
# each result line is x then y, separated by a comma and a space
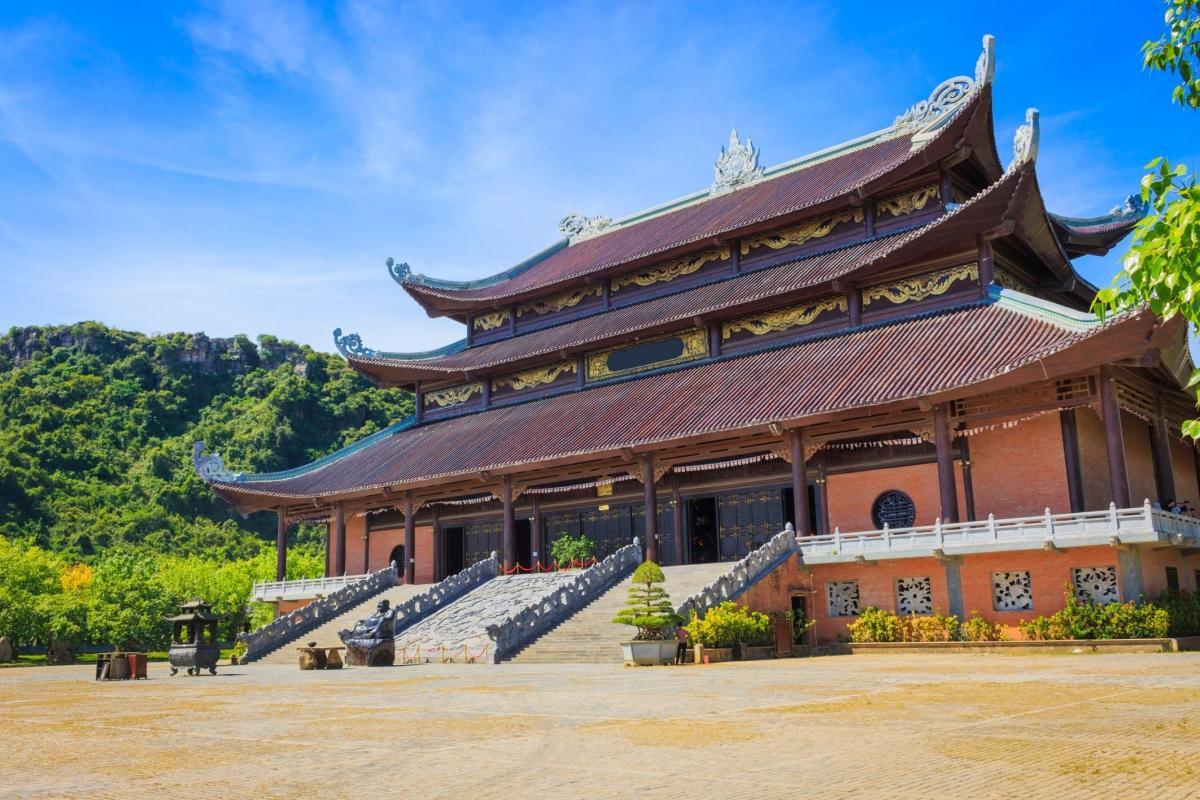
933, 628
1082, 619
649, 606
978, 629
567, 548
1183, 611
728, 624
876, 625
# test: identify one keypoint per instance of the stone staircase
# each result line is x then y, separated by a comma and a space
465, 621
327, 634
591, 637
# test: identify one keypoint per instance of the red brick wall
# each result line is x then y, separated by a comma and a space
1093, 459
381, 545
1154, 570
1184, 464
288, 606
1020, 471
852, 494
1139, 460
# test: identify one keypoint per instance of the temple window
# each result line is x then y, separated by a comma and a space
1012, 591
894, 509
914, 595
843, 598
1096, 585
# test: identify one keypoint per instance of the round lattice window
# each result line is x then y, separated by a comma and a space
894, 509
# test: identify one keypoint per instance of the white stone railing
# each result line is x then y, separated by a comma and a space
416, 608
291, 626
302, 589
1113, 526
742, 575
531, 622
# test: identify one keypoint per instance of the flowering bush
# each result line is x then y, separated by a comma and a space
1081, 619
878, 625
728, 624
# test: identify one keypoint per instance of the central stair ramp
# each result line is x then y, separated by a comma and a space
590, 637
494, 621
321, 619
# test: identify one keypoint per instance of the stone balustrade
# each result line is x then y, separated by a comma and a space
742, 575
531, 622
302, 588
417, 608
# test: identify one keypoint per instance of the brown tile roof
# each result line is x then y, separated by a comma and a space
792, 192
868, 367
979, 213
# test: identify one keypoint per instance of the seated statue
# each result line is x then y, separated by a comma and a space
372, 641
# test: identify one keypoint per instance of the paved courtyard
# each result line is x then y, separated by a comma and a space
890, 726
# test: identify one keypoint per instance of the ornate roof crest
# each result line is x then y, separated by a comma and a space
210, 468
351, 345
576, 227
1025, 140
401, 273
1133, 206
943, 103
737, 165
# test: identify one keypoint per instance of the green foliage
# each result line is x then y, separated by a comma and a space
567, 548
1178, 51
1183, 611
104, 525
878, 625
1162, 268
1081, 619
727, 624
649, 606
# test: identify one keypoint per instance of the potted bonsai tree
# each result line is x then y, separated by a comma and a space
649, 610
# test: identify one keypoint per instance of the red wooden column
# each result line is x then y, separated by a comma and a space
799, 481
410, 541
677, 521
329, 549
1114, 439
1164, 470
947, 489
281, 527
535, 529
650, 501
1071, 460
509, 538
339, 539
823, 526
366, 540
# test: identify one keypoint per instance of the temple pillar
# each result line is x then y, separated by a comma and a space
439, 555
822, 496
964, 448
509, 537
280, 545
328, 551
799, 482
1133, 581
410, 541
535, 529
947, 488
1160, 447
339, 534
650, 507
677, 519
1114, 439
954, 592
1070, 439
366, 541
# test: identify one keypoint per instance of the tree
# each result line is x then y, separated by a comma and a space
649, 606
1162, 268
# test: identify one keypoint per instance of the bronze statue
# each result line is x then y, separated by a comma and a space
372, 641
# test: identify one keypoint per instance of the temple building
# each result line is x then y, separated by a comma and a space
888, 334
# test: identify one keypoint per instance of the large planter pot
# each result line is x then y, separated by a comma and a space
650, 653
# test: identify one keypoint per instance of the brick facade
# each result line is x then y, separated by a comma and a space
1020, 471
382, 542
852, 494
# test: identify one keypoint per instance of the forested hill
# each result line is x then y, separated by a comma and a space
97, 425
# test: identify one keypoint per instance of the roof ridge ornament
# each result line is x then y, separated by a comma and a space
576, 227
351, 345
402, 273
737, 166
210, 467
925, 118
1026, 140
1134, 206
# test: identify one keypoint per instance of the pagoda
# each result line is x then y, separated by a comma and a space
886, 334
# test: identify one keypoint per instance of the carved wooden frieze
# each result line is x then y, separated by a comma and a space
804, 232
662, 352
898, 205
675, 268
490, 321
453, 395
920, 287
533, 378
558, 302
784, 318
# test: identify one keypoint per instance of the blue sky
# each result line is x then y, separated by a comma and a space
246, 167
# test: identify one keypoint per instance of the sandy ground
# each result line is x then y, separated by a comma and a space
891, 726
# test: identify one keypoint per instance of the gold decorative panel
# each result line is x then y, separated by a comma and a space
922, 286
693, 344
558, 302
490, 321
804, 232
784, 318
671, 270
1010, 281
907, 202
453, 395
538, 376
